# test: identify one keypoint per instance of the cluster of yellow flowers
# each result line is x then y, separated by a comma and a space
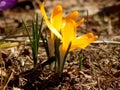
64, 28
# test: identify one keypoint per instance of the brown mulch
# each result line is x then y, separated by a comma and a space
100, 61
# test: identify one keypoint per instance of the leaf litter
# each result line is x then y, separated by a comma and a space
100, 61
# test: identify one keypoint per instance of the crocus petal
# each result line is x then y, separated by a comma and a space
80, 22
68, 33
43, 11
83, 41
47, 21
56, 17
6, 4
73, 16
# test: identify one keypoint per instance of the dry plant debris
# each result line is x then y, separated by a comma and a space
100, 61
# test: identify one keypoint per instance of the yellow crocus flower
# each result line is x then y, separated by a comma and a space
54, 26
69, 36
65, 29
67, 25
57, 22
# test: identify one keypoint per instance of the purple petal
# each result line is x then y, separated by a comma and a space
6, 4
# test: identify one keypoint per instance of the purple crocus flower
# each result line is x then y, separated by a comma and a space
6, 4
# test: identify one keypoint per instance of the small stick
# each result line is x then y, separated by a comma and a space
106, 42
11, 75
95, 42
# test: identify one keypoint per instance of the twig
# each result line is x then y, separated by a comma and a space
11, 75
95, 42
106, 42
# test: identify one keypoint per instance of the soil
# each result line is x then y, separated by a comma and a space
100, 68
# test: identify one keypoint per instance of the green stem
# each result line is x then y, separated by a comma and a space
80, 62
